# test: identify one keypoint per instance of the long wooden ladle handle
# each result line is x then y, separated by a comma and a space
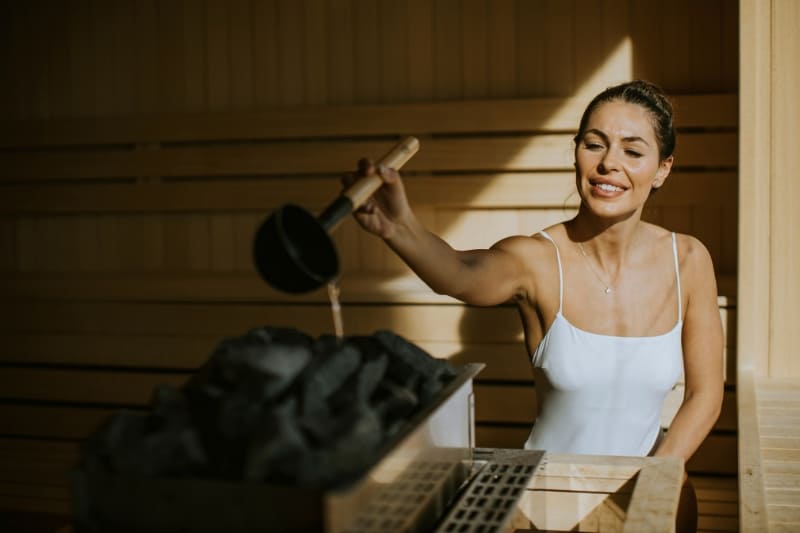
359, 191
362, 189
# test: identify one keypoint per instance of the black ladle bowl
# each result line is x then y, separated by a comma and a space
293, 250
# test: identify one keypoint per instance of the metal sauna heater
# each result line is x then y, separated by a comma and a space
280, 431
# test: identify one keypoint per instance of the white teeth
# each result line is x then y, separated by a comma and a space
608, 187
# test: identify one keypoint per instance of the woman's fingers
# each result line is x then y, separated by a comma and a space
388, 174
367, 207
375, 213
348, 179
365, 167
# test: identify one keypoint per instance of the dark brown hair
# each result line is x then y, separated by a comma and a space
647, 95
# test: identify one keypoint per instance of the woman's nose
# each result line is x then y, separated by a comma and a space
608, 163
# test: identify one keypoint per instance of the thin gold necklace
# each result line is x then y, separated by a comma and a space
606, 286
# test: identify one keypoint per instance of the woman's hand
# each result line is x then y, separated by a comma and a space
387, 207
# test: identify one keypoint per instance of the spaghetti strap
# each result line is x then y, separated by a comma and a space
560, 272
677, 276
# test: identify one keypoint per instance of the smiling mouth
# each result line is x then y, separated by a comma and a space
607, 187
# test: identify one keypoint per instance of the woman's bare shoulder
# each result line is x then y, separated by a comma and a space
656, 233
536, 256
527, 246
691, 250
695, 263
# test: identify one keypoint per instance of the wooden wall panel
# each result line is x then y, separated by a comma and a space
150, 56
143, 142
502, 49
241, 49
8, 252
676, 54
394, 64
730, 41
784, 192
768, 370
513, 153
220, 241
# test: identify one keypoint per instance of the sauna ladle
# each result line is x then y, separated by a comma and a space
293, 250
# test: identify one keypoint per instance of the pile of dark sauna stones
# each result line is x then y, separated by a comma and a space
276, 406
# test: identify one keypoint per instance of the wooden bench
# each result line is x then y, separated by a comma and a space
125, 246
769, 451
601, 493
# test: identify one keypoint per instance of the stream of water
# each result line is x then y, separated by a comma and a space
336, 308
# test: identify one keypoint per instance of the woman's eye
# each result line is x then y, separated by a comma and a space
593, 146
633, 153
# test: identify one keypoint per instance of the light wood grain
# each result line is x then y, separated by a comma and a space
103, 103
712, 111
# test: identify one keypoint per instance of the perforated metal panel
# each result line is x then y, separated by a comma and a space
412, 502
419, 500
489, 500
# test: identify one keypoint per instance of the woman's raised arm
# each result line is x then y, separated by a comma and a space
479, 277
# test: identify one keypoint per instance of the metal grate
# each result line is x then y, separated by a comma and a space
488, 502
412, 502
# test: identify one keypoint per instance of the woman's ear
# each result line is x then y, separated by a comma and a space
662, 173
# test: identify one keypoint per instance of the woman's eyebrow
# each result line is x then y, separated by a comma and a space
601, 134
635, 139
597, 132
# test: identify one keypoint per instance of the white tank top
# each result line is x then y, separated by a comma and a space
602, 394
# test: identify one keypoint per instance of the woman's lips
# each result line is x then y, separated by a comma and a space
605, 188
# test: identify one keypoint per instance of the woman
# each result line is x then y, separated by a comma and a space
613, 308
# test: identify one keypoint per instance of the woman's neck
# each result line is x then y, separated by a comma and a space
609, 241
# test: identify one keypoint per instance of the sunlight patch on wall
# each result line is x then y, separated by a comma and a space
617, 68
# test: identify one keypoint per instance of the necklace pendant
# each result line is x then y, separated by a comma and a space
608, 290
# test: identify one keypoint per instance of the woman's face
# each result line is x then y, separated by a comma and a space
617, 160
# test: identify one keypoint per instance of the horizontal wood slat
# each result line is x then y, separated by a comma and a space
485, 191
494, 403
775, 443
357, 287
717, 454
716, 489
29, 490
717, 502
716, 523
518, 404
173, 321
526, 153
26, 460
108, 350
48, 472
422, 323
22, 503
505, 362
50, 421
84, 386
540, 114
34, 475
